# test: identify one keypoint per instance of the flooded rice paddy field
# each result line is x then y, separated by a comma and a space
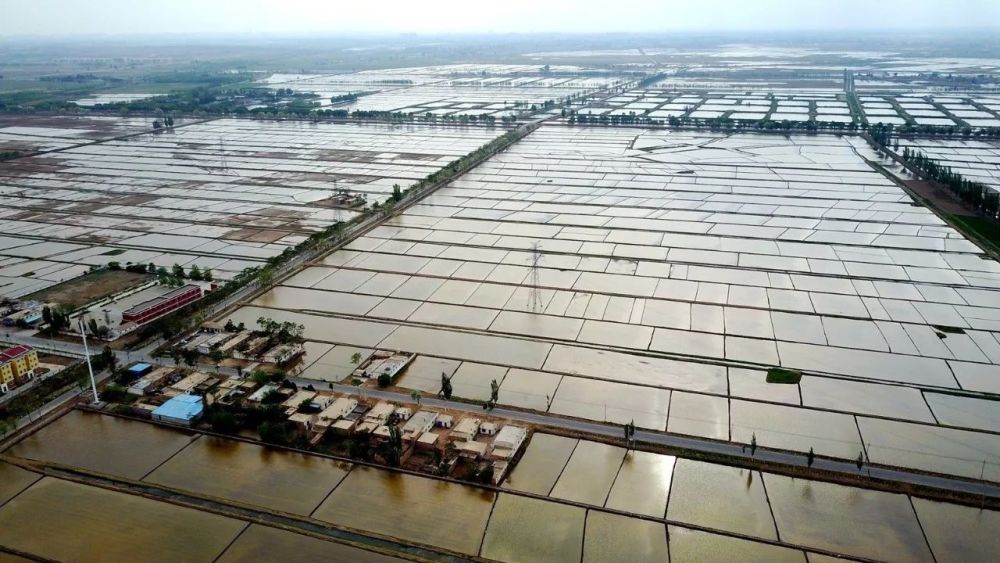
463, 89
672, 270
30, 133
123, 527
83, 523
946, 110
762, 102
260, 543
978, 161
835, 518
225, 194
662, 103
658, 503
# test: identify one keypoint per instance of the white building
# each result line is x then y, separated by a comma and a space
418, 424
337, 409
380, 412
467, 429
508, 441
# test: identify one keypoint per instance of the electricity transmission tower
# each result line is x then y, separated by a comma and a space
222, 157
535, 298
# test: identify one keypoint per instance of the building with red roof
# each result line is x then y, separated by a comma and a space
17, 365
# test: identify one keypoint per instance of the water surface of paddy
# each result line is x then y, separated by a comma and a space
252, 474
721, 497
411, 508
73, 522
105, 444
959, 533
542, 463
528, 529
612, 538
693, 545
858, 522
261, 543
589, 474
13, 480
643, 484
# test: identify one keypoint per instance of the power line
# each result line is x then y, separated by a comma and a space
535, 299
222, 156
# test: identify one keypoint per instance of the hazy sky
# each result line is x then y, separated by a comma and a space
60, 17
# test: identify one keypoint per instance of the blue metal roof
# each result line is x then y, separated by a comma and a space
181, 407
140, 367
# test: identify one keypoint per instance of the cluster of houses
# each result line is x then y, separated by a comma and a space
473, 437
157, 385
23, 314
244, 345
179, 396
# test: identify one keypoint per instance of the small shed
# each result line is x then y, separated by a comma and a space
510, 437
380, 412
338, 409
488, 429
186, 385
292, 403
302, 420
149, 381
182, 410
139, 370
344, 425
259, 394
367, 426
471, 449
428, 440
508, 441
418, 424
466, 429
213, 326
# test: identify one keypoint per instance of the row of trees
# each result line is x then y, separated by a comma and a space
174, 276
716, 123
56, 319
953, 131
727, 123
409, 117
280, 332
977, 195
343, 98
210, 100
167, 122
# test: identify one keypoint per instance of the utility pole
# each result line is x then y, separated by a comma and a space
86, 352
982, 479
535, 301
222, 157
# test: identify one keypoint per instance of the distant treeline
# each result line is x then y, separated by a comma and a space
398, 116
715, 123
215, 101
70, 78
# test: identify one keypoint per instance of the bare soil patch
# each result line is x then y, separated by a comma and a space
939, 197
82, 290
